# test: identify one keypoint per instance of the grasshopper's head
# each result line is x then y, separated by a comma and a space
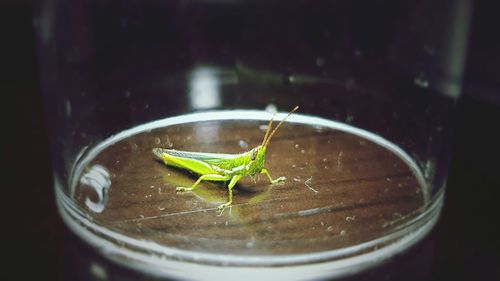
258, 154
256, 158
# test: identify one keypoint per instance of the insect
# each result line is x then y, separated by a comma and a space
222, 167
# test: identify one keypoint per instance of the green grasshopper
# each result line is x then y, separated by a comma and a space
222, 167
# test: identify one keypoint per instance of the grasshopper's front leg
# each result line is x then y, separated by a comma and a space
264, 171
209, 177
233, 182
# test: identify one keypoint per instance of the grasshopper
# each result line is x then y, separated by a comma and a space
222, 167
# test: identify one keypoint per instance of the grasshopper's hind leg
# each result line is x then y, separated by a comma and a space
209, 177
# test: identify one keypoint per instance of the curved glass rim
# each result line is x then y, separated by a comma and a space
151, 257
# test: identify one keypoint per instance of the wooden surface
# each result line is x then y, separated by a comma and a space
341, 190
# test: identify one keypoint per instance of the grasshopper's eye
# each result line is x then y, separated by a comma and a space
253, 154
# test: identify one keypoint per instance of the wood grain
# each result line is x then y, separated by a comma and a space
341, 190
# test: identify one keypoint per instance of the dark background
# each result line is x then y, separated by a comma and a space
38, 245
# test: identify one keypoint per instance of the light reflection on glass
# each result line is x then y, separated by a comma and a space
98, 179
204, 91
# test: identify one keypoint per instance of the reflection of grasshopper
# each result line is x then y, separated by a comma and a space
222, 167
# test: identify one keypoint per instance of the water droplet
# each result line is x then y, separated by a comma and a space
263, 128
421, 82
97, 271
243, 144
271, 108
339, 159
342, 232
250, 244
296, 145
135, 147
320, 61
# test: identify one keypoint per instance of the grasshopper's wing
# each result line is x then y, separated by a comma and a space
193, 165
202, 156
197, 162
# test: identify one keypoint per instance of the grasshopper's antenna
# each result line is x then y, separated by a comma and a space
268, 129
266, 140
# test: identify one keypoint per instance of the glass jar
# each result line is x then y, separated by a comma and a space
362, 163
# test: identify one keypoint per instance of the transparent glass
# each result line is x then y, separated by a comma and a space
365, 157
